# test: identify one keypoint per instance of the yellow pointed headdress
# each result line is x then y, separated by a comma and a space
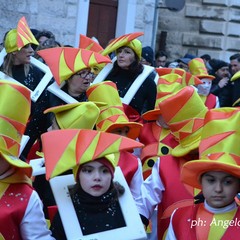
128, 40
13, 123
82, 115
74, 147
65, 61
197, 68
112, 114
219, 149
15, 105
89, 44
20, 37
185, 119
170, 81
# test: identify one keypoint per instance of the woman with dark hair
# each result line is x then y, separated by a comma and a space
18, 44
131, 76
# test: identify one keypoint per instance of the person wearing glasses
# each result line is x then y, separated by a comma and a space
72, 70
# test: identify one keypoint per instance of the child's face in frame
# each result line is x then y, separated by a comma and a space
95, 178
219, 188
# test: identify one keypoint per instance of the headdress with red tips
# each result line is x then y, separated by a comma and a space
73, 147
218, 149
20, 37
66, 61
128, 40
89, 44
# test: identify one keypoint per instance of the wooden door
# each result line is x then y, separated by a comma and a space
102, 20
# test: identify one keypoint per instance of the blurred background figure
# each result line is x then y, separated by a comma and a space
161, 58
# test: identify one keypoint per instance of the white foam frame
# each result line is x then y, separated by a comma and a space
23, 143
38, 166
35, 94
134, 87
133, 230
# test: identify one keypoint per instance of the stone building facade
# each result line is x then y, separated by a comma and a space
202, 26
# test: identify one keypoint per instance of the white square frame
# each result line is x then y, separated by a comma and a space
35, 94
133, 230
38, 166
134, 87
24, 141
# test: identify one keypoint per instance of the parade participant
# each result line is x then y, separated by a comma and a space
197, 68
71, 68
131, 77
90, 154
81, 115
21, 209
163, 187
112, 119
155, 134
18, 44
216, 172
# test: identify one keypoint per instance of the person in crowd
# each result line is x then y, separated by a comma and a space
48, 43
155, 135
234, 63
198, 68
217, 174
43, 35
235, 79
163, 187
130, 75
206, 58
221, 86
76, 74
112, 119
67, 116
17, 64
90, 154
147, 56
21, 208
161, 58
183, 61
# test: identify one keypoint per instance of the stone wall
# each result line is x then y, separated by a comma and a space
205, 26
58, 16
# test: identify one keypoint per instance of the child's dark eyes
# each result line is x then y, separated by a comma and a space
86, 169
210, 180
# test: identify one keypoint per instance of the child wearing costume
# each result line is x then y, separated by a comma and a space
90, 154
197, 68
21, 209
112, 119
163, 187
217, 174
81, 115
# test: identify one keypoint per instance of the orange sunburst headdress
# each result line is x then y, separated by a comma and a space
219, 149
73, 147
19, 37
66, 61
184, 113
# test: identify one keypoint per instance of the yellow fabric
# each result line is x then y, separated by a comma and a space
77, 115
218, 230
17, 177
218, 149
197, 68
19, 37
112, 114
